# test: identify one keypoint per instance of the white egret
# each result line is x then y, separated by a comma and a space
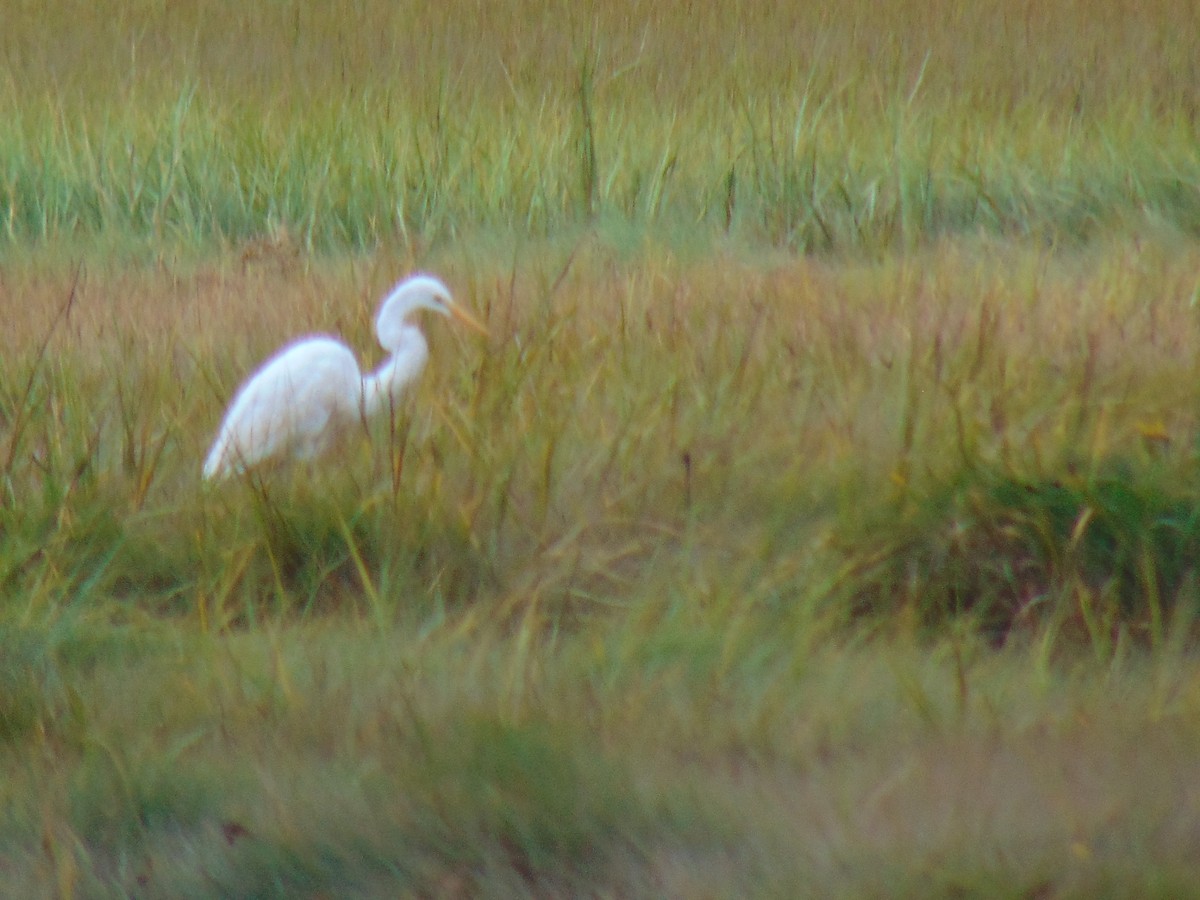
301, 398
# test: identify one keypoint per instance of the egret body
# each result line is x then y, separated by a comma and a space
305, 395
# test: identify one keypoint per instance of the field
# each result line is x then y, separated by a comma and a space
817, 518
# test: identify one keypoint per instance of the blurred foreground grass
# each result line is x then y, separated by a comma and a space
648, 760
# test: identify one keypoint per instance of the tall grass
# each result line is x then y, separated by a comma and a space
818, 516
626, 421
385, 124
189, 172
679, 532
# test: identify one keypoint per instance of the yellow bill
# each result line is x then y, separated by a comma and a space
466, 318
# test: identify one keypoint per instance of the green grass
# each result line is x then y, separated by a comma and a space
817, 518
794, 173
296, 760
392, 126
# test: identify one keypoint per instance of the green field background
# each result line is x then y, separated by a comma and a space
355, 125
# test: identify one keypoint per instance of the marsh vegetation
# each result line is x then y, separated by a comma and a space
818, 517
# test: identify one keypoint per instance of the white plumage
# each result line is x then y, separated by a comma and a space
299, 401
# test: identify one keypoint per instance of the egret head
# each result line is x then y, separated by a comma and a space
411, 294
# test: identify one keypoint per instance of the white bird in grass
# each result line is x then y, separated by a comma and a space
298, 402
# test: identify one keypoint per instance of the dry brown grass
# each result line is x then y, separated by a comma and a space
818, 358
1002, 54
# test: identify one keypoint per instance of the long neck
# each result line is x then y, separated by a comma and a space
383, 387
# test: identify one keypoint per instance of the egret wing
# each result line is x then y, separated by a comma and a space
294, 403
